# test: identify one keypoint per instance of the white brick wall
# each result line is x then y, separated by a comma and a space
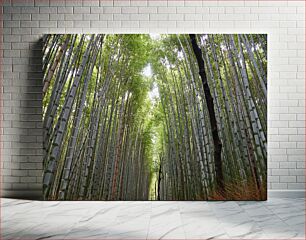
24, 22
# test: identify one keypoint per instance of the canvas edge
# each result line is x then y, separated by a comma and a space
37, 194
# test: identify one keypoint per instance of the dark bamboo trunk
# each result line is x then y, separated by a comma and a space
159, 179
211, 111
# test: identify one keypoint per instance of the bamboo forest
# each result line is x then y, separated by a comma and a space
155, 117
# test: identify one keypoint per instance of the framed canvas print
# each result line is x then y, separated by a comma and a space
155, 117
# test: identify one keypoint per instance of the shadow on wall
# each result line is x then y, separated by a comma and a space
28, 154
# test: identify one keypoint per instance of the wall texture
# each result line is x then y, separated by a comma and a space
24, 22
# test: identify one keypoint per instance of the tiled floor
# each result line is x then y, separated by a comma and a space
273, 219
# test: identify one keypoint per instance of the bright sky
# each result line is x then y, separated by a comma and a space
154, 92
147, 71
154, 36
